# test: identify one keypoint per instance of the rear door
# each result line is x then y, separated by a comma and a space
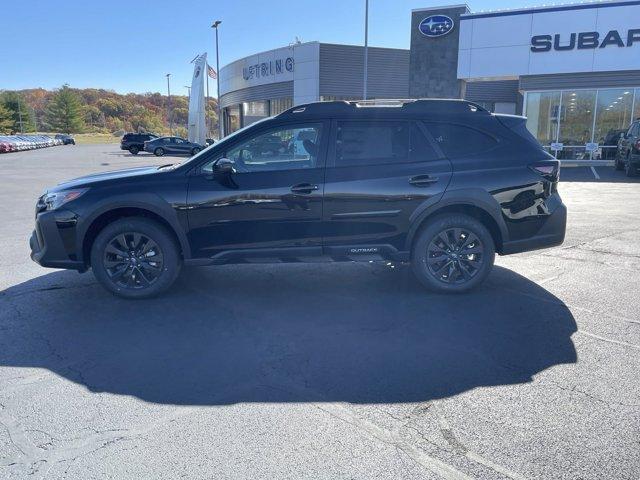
379, 173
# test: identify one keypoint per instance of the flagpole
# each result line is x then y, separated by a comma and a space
206, 107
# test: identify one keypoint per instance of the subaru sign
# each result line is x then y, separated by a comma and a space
436, 26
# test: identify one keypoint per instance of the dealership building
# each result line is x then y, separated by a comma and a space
573, 70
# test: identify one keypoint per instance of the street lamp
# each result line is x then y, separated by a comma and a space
215, 25
169, 105
366, 46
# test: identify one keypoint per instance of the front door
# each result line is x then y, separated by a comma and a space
378, 174
273, 199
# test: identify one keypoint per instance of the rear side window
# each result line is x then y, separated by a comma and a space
379, 143
460, 141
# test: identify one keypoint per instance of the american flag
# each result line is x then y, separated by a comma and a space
211, 72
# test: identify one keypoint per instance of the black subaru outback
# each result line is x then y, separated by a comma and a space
442, 184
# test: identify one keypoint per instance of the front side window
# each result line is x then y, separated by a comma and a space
281, 148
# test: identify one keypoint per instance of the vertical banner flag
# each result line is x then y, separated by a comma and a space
197, 125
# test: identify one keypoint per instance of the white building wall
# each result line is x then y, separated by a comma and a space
500, 46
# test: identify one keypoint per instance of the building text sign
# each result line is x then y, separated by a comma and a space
584, 40
267, 69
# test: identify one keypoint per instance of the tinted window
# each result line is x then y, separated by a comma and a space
458, 141
281, 148
369, 143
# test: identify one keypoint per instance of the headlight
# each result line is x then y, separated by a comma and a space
55, 200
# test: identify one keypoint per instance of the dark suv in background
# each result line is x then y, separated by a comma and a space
442, 184
134, 142
628, 154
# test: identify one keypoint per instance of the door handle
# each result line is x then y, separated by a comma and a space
422, 180
304, 188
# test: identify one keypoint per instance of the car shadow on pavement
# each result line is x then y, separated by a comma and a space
288, 333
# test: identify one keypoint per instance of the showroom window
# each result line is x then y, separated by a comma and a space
254, 111
581, 124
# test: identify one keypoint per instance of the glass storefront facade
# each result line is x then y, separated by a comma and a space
243, 114
581, 124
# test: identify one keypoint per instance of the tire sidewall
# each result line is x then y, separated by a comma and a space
158, 152
424, 238
170, 252
134, 150
195, 151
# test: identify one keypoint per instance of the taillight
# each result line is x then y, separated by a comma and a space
549, 169
637, 145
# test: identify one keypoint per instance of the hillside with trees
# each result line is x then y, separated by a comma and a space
91, 110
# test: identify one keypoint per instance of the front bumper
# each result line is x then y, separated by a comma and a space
53, 240
550, 235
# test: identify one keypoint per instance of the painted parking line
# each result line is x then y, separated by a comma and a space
595, 174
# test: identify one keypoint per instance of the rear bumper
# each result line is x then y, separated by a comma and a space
550, 235
52, 242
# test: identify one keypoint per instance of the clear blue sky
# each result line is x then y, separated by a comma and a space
129, 45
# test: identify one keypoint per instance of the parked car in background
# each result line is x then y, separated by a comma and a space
172, 146
5, 146
66, 139
134, 142
628, 157
368, 183
210, 141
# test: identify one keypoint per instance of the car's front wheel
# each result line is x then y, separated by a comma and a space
453, 253
135, 258
134, 150
619, 164
629, 168
195, 150
158, 152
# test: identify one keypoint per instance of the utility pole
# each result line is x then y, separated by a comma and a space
20, 116
169, 106
215, 25
366, 45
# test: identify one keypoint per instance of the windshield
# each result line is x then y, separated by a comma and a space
231, 136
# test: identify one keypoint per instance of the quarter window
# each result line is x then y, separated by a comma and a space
459, 141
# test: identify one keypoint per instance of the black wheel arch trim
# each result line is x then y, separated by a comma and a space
468, 197
143, 201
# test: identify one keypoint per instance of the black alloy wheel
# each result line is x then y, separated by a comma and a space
452, 253
134, 150
454, 256
158, 152
133, 260
195, 151
135, 257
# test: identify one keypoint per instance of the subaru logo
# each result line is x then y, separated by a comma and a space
436, 26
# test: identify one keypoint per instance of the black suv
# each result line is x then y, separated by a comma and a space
628, 153
134, 142
442, 184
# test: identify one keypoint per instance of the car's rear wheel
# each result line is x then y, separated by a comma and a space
135, 258
134, 150
158, 152
453, 253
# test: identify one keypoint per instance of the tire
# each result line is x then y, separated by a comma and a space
134, 150
195, 151
158, 152
440, 267
143, 276
630, 170
619, 165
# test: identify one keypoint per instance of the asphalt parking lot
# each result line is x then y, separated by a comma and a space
324, 371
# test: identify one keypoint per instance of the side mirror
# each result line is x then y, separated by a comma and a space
224, 166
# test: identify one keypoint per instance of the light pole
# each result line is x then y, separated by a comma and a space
215, 25
188, 102
366, 45
169, 105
